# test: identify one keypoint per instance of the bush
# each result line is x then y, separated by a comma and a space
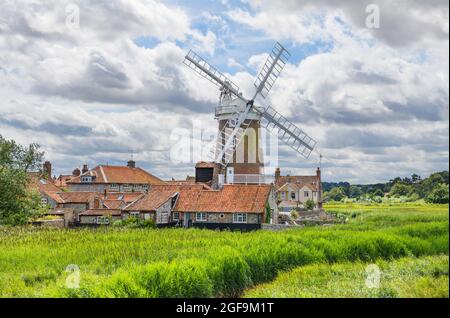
438, 195
294, 214
310, 204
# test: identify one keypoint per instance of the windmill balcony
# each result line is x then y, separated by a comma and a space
252, 179
224, 110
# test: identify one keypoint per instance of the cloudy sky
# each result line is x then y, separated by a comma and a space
375, 99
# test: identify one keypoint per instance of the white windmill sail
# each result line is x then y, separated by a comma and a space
287, 132
273, 121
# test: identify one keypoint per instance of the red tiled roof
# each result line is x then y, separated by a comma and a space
198, 198
151, 201
101, 212
232, 198
113, 204
78, 197
119, 174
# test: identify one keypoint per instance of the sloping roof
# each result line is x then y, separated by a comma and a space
312, 181
118, 174
60, 211
233, 198
126, 197
100, 212
78, 197
113, 204
61, 181
152, 200
43, 186
297, 186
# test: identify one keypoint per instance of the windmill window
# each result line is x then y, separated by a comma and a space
239, 218
200, 216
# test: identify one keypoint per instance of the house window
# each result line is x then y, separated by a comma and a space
134, 215
127, 187
176, 216
86, 179
293, 195
138, 187
200, 216
283, 195
114, 186
239, 218
44, 201
102, 220
306, 194
145, 187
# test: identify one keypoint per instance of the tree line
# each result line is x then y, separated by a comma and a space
432, 189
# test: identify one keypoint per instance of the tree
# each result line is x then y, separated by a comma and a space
335, 194
401, 189
17, 202
427, 185
438, 195
355, 191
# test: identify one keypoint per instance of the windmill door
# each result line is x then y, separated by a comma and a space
230, 174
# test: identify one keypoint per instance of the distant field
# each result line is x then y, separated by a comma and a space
202, 263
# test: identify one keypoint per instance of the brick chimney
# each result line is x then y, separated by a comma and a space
47, 169
319, 188
76, 172
96, 202
85, 168
131, 164
277, 174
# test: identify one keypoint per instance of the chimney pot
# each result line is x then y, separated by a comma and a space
85, 168
131, 164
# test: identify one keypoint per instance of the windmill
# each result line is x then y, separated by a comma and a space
236, 114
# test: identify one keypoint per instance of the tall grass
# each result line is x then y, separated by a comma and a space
201, 263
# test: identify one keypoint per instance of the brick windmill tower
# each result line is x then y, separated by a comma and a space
238, 151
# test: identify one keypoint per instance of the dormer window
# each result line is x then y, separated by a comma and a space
127, 187
114, 186
86, 179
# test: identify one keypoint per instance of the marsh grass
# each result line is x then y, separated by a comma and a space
121, 262
425, 277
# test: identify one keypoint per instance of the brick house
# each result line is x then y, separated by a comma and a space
294, 191
242, 207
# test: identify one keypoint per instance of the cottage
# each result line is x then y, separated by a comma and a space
294, 191
243, 207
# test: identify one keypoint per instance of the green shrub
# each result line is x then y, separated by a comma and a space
310, 204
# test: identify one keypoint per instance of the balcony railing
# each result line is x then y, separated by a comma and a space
252, 179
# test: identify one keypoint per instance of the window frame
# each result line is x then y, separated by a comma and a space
135, 214
86, 179
114, 186
197, 219
240, 218
306, 194
176, 218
